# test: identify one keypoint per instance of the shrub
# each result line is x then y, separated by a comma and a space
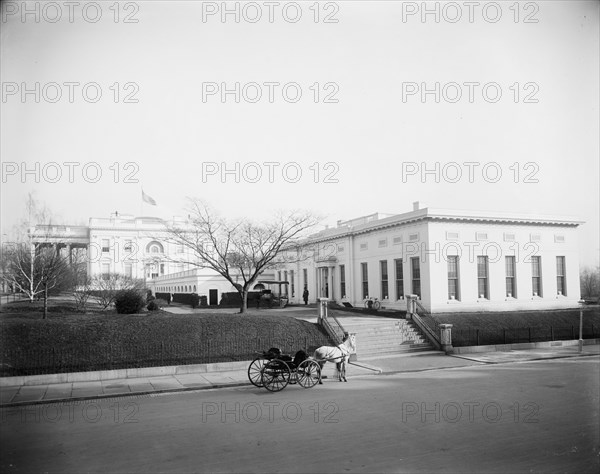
129, 302
152, 306
195, 300
160, 302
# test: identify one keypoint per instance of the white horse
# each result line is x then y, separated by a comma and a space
338, 354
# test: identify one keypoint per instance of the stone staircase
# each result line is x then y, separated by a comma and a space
383, 336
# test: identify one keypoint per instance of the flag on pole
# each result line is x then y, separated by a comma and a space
148, 199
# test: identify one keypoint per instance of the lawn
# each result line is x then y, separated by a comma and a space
68, 341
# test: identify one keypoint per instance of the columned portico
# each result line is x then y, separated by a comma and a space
325, 278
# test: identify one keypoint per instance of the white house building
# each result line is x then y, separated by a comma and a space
137, 247
453, 260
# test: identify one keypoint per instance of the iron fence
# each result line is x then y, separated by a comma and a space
482, 337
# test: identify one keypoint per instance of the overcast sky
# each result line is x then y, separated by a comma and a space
356, 142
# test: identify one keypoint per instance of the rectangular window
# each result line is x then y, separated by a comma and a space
343, 281
128, 246
162, 268
536, 275
482, 277
561, 288
128, 270
453, 282
399, 279
105, 245
292, 286
105, 270
365, 280
511, 287
305, 277
384, 280
416, 276
285, 278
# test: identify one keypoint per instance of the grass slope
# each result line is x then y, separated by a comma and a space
79, 342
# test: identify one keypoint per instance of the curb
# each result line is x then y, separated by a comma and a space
568, 356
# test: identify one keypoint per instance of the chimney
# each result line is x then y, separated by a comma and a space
416, 206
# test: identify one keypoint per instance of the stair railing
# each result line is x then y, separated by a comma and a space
422, 318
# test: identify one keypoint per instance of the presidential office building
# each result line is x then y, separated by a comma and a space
452, 260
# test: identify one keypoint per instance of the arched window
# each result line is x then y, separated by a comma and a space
154, 247
194, 288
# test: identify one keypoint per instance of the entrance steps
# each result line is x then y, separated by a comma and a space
382, 336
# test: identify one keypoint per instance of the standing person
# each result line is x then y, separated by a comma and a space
305, 295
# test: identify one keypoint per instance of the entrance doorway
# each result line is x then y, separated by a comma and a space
213, 299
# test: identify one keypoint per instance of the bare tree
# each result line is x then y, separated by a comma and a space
241, 250
33, 264
589, 278
36, 270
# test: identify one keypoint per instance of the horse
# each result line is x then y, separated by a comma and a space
340, 354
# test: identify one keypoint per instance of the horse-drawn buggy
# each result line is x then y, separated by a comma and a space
274, 370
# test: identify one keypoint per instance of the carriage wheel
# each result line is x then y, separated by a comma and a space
255, 370
275, 375
309, 373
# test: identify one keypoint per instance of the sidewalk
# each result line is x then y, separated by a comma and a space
18, 395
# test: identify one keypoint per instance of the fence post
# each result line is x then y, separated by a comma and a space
446, 338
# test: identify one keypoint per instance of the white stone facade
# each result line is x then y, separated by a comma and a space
455, 261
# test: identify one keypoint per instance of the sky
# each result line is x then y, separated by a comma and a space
342, 108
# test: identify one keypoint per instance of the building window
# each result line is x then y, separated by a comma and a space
384, 280
382, 243
105, 271
162, 268
364, 246
561, 288
536, 275
399, 279
292, 287
154, 247
365, 280
128, 246
305, 277
128, 270
416, 276
285, 278
482, 277
511, 287
343, 281
105, 245
453, 281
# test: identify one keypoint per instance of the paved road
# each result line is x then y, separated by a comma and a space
538, 416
